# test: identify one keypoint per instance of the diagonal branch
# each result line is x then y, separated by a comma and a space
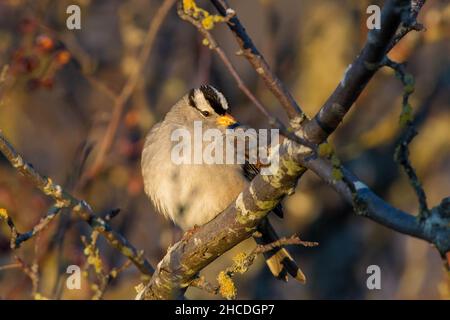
18, 238
359, 72
64, 199
238, 222
213, 45
256, 59
395, 13
435, 229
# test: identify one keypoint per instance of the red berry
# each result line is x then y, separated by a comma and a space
44, 43
62, 57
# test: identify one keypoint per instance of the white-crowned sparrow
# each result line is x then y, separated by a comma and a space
193, 194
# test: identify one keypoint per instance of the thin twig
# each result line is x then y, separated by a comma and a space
285, 241
242, 262
10, 266
43, 223
32, 272
64, 199
202, 284
256, 59
409, 25
401, 154
213, 45
95, 261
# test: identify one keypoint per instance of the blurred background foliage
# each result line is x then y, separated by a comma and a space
57, 97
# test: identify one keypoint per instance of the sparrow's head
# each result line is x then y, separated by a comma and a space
207, 104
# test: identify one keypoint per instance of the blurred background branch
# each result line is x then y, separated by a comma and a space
65, 200
127, 90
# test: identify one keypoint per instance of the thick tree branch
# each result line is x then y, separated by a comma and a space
238, 222
196, 250
435, 229
359, 72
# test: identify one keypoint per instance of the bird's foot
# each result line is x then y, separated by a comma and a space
189, 233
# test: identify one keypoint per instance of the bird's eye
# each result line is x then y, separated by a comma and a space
205, 113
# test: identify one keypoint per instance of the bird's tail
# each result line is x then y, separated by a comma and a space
278, 260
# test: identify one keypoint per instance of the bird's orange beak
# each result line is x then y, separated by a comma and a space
226, 120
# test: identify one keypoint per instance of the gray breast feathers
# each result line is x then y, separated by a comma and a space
188, 194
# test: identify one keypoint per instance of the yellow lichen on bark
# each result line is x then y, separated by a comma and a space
3, 214
240, 264
226, 286
94, 259
206, 19
325, 150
